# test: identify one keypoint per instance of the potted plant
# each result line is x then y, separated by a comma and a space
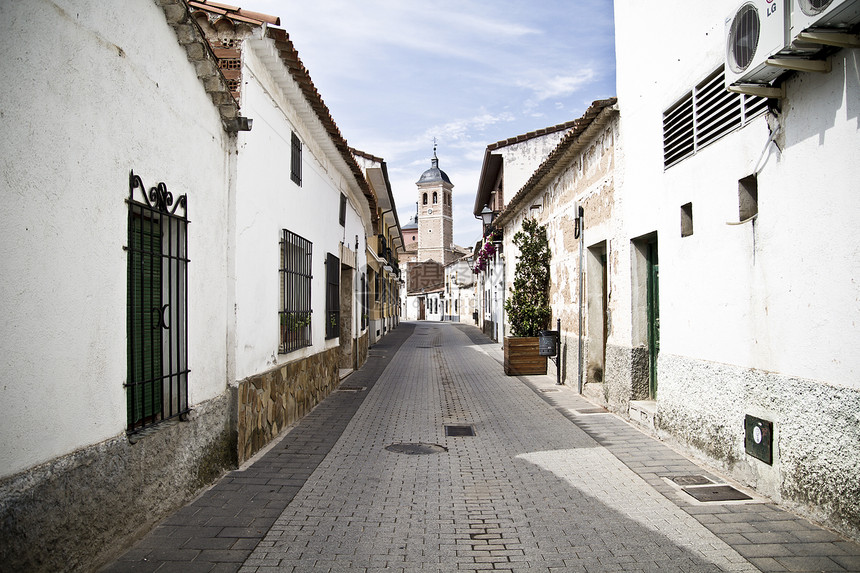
527, 308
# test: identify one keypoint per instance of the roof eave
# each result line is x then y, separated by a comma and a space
587, 126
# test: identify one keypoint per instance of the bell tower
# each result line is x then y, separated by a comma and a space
435, 215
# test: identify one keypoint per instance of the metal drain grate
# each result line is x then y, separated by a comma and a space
716, 493
352, 389
545, 390
691, 480
456, 431
416, 449
591, 411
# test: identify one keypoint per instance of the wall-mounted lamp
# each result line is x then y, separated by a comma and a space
487, 216
238, 124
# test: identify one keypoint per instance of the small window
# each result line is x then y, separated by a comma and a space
748, 197
687, 220
424, 199
342, 210
332, 296
435, 198
296, 161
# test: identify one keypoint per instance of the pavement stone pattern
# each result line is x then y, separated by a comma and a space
547, 483
219, 529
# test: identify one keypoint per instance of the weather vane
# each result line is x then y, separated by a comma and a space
434, 147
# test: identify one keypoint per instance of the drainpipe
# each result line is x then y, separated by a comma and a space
580, 223
356, 305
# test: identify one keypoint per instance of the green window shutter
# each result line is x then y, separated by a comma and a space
144, 393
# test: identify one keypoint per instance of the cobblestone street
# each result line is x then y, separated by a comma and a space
548, 482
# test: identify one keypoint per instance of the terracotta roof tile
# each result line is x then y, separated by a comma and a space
235, 13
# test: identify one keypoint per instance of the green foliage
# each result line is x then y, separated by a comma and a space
528, 306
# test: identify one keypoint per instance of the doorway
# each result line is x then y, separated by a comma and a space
646, 316
597, 298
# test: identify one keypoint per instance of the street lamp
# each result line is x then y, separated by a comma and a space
487, 216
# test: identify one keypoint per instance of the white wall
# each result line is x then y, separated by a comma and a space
269, 201
523, 158
760, 295
86, 102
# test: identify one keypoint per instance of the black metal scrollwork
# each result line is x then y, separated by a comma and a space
158, 197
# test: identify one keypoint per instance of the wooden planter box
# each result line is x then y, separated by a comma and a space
522, 356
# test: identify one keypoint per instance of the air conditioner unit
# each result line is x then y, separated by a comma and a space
755, 31
827, 16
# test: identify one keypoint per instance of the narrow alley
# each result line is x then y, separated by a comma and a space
383, 475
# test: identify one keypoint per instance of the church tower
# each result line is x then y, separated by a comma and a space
435, 215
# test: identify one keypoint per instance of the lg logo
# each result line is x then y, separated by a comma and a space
771, 8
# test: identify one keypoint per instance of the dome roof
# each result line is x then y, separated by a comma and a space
434, 174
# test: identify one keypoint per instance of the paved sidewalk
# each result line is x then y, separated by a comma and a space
547, 483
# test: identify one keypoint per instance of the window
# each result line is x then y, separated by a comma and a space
364, 301
747, 198
296, 160
704, 115
424, 199
686, 220
332, 296
294, 315
157, 306
342, 216
435, 197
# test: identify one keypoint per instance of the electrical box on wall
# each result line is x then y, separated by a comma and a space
758, 440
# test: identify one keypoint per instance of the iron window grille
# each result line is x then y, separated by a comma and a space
332, 296
364, 301
157, 306
296, 160
703, 116
294, 316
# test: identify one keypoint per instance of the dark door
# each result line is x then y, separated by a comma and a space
653, 316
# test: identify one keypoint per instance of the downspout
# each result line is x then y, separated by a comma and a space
356, 304
580, 227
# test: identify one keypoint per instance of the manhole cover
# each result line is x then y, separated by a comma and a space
459, 431
716, 493
416, 449
691, 480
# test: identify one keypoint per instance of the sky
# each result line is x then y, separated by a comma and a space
395, 74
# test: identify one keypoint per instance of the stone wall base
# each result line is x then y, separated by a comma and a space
269, 402
79, 511
816, 437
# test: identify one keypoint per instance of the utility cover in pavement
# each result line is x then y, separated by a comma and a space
716, 493
416, 449
691, 480
459, 431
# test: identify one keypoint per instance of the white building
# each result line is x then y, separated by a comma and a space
177, 294
80, 341
751, 207
507, 166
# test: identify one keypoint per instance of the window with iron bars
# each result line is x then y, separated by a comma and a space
332, 296
157, 306
294, 316
704, 115
365, 303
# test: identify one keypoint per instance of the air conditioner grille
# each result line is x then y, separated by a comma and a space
744, 37
814, 7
